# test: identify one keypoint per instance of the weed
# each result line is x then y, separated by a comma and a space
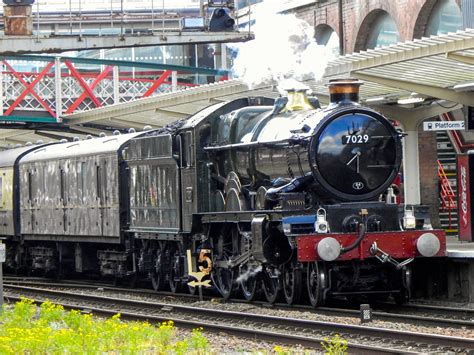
49, 329
335, 345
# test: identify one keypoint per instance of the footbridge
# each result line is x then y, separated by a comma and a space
53, 26
43, 91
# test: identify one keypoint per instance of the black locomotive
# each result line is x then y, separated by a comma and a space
280, 196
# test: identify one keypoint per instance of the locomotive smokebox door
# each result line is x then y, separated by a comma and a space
465, 164
188, 179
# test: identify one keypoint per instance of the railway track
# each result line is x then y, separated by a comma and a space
418, 314
308, 333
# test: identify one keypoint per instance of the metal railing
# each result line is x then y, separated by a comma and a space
62, 85
446, 193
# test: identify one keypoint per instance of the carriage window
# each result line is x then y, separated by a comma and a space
1, 189
189, 149
30, 190
62, 177
99, 182
80, 180
105, 181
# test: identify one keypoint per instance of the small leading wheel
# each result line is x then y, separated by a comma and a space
403, 296
316, 282
270, 284
157, 276
292, 281
175, 271
131, 280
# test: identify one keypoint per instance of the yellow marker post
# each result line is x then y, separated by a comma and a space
199, 275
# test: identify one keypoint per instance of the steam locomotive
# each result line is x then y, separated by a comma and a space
273, 196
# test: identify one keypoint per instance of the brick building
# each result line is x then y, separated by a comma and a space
370, 23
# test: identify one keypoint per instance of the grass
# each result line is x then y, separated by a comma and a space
49, 329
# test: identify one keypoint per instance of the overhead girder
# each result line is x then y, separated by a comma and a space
465, 98
55, 44
463, 58
411, 117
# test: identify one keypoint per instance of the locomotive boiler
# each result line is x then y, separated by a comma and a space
298, 143
274, 197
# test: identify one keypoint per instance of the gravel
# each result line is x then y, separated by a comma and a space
222, 343
218, 304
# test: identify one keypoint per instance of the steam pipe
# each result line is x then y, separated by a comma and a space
357, 241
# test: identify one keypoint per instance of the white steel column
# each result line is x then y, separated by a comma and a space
411, 165
116, 84
2, 66
58, 89
174, 80
223, 56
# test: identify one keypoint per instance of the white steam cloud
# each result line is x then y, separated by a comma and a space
284, 47
250, 272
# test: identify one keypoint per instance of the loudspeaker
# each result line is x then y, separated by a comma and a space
18, 2
221, 21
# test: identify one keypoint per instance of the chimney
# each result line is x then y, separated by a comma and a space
344, 91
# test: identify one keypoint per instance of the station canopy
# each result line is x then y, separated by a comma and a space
408, 81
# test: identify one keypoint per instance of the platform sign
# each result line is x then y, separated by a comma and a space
443, 126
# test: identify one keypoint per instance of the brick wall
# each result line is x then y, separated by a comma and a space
429, 182
410, 16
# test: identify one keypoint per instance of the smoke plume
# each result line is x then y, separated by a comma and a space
284, 47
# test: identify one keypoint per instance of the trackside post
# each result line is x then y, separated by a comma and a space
2, 260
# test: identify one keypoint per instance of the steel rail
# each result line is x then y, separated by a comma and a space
395, 340
428, 320
255, 334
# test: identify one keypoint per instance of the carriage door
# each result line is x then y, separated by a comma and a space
188, 179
